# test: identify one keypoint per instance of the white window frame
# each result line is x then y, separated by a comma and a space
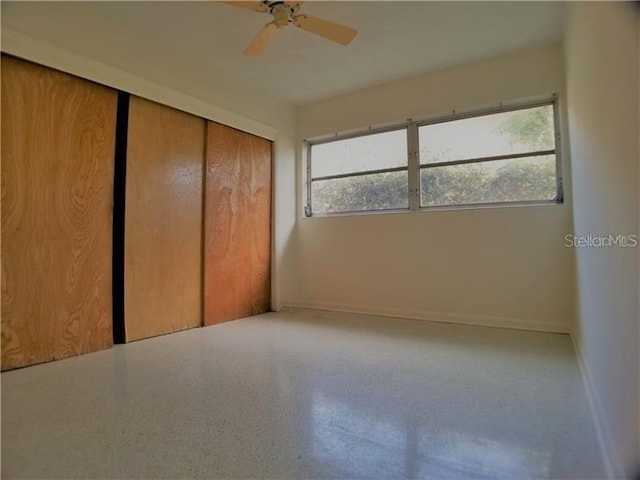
413, 158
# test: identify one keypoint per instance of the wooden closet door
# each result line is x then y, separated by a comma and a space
58, 140
237, 254
163, 220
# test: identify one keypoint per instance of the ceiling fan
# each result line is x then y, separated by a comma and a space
286, 13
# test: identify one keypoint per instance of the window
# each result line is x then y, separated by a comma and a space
363, 173
506, 156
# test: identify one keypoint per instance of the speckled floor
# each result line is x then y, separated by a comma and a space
306, 395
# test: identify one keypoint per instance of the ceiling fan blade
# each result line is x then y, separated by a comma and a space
329, 30
260, 41
255, 6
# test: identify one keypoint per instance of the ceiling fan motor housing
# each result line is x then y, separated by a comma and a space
282, 13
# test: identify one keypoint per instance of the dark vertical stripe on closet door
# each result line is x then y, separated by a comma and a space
119, 204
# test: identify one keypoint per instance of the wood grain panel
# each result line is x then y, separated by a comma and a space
163, 220
58, 136
237, 254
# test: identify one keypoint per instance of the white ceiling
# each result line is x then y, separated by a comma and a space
395, 39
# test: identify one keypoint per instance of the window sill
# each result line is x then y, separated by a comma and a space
443, 208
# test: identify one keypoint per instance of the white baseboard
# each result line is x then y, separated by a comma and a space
613, 465
461, 318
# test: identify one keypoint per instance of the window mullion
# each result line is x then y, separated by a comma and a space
558, 147
307, 208
413, 165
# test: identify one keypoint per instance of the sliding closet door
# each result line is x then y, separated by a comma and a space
237, 254
163, 220
58, 137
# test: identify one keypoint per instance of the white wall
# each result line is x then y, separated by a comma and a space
602, 81
499, 266
230, 103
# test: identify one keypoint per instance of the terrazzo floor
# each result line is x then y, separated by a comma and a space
306, 395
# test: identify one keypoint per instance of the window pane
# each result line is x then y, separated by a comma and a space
518, 179
506, 133
360, 154
380, 191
